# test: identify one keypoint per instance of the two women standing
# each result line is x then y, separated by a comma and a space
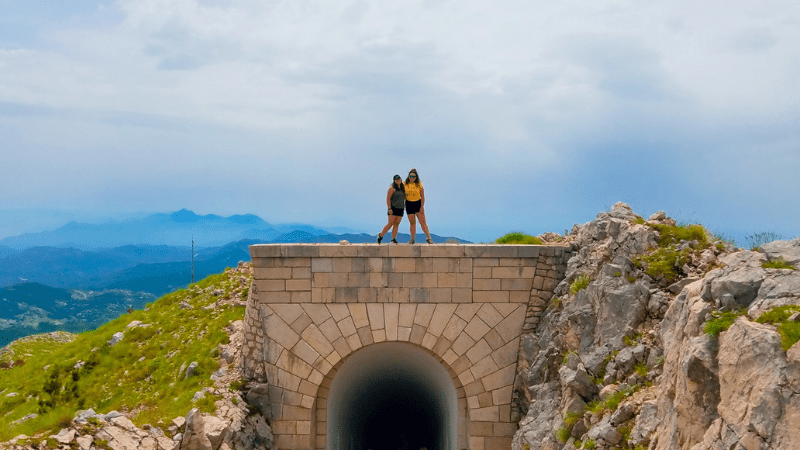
410, 195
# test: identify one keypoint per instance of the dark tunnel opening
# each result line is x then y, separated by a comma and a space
392, 396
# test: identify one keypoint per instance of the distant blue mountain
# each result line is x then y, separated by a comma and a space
174, 229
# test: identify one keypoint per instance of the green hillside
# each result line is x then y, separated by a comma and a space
140, 375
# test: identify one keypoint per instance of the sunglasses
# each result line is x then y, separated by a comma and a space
412, 176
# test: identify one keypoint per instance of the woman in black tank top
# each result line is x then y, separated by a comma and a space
395, 203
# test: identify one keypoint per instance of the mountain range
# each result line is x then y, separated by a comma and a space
45, 277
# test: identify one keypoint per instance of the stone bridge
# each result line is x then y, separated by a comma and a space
364, 346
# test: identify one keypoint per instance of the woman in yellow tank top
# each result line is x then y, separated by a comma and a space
415, 205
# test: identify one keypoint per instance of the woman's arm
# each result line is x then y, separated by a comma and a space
422, 199
389, 198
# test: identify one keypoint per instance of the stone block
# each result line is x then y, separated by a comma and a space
400, 295
404, 251
441, 295
423, 314
440, 318
347, 327
322, 366
474, 388
339, 312
280, 331
403, 334
429, 341
419, 295
412, 280
529, 251
379, 335
519, 284
485, 262
417, 334
510, 327
341, 265
406, 315
304, 426
430, 279
442, 251
375, 265
497, 443
491, 251
354, 341
462, 295
484, 284
499, 378
481, 428
300, 250
271, 285
405, 265
461, 365
449, 356
365, 334
465, 377
507, 354
337, 251
346, 295
298, 285
480, 350
317, 340
300, 296
489, 315
341, 346
490, 296
359, 314
395, 280
367, 295
507, 272
473, 402
519, 296
288, 312
484, 367
462, 343
265, 251
273, 273
301, 323
323, 295
502, 396
378, 280
444, 265
485, 399
447, 280
454, 327
372, 251
424, 265
494, 340
376, 316
488, 414
481, 272
291, 363
358, 280
477, 443
464, 280
391, 317
441, 346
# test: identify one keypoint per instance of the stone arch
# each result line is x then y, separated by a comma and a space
410, 383
477, 342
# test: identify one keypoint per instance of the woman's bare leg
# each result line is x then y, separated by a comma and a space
396, 226
423, 224
412, 218
388, 225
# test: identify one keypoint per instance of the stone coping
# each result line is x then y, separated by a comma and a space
405, 251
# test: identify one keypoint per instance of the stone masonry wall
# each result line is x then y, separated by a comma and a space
312, 305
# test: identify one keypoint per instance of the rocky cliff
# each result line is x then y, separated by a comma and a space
662, 337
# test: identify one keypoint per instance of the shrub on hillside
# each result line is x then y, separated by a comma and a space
519, 238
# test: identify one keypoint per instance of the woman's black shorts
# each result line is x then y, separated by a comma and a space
396, 212
413, 207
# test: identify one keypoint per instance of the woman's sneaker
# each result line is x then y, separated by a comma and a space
380, 238
411, 241
394, 241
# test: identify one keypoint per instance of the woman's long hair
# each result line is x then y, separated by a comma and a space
402, 185
417, 180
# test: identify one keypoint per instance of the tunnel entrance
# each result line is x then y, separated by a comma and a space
392, 396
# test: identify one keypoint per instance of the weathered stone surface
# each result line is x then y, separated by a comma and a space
646, 423
604, 432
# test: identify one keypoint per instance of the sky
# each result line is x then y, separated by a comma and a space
519, 115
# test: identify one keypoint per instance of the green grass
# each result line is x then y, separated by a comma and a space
611, 402
665, 261
519, 238
579, 283
779, 263
588, 444
641, 370
631, 341
779, 316
721, 321
756, 240
114, 378
674, 234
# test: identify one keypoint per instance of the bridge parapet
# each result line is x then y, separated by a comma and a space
313, 305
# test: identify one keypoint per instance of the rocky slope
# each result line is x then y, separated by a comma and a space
653, 341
